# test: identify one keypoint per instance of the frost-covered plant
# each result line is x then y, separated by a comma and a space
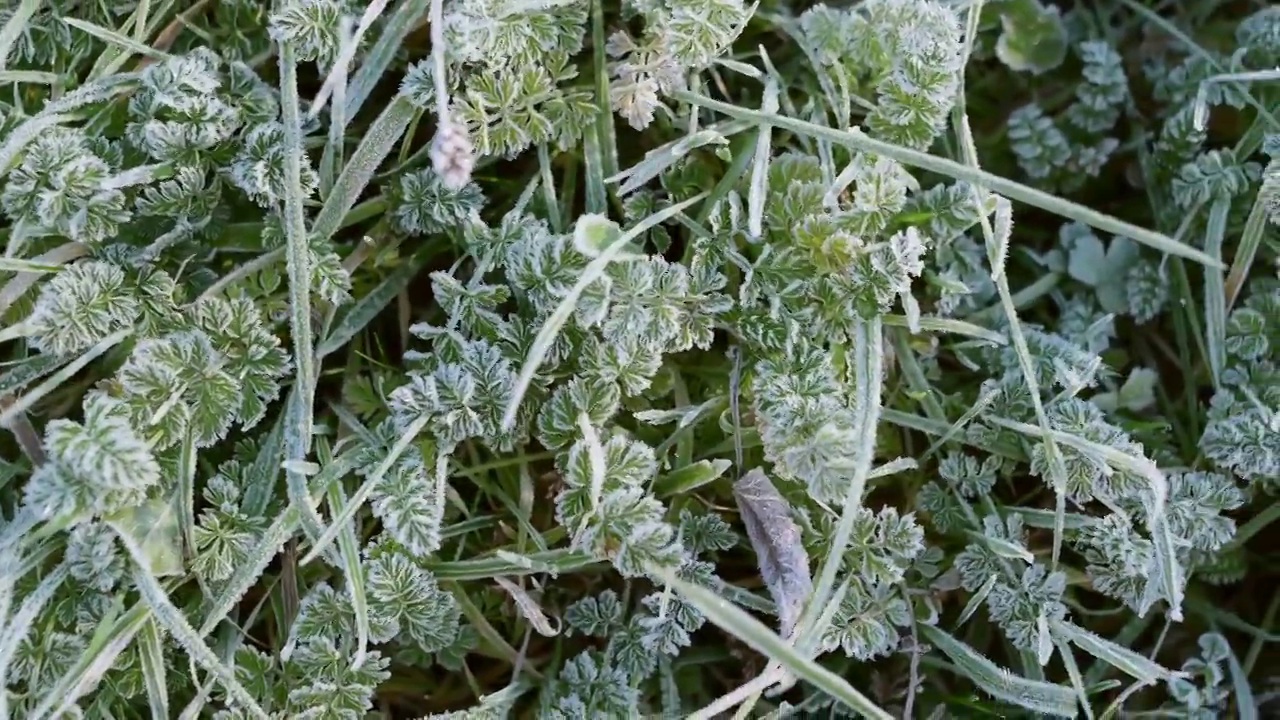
1065, 149
1203, 693
679, 38
358, 359
1243, 430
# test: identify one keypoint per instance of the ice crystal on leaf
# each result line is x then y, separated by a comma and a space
460, 399
424, 204
94, 557
562, 410
869, 621
310, 26
80, 306
806, 429
1018, 609
589, 687
258, 167
96, 466
183, 385
607, 510
1243, 432
326, 686
182, 111
598, 616
227, 533
65, 185
252, 354
407, 597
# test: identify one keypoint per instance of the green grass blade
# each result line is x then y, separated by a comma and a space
113, 635
112, 37
300, 407
353, 574
553, 561
175, 623
18, 265
759, 188
1073, 672
597, 202
187, 494
375, 62
56, 380
265, 472
949, 325
867, 357
1255, 229
297, 444
27, 371
1215, 291
604, 125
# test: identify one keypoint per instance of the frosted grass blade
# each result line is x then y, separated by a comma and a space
154, 672
1037, 696
738, 623
1127, 661
1010, 189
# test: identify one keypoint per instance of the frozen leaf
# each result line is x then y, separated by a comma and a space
774, 535
528, 607
153, 525
1137, 393
99, 466
596, 616
1105, 269
81, 305
407, 596
593, 234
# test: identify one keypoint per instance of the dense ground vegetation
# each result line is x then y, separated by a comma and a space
663, 358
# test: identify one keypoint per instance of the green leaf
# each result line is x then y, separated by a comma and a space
1085, 262
593, 234
154, 527
690, 477
1136, 394
1106, 270
1033, 38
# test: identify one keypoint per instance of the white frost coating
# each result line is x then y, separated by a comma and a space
784, 565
